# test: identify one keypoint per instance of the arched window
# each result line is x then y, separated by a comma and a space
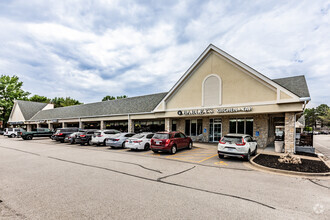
211, 91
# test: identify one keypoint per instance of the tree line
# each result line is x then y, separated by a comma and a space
11, 89
319, 114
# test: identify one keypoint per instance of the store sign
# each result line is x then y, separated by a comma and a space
212, 111
16, 123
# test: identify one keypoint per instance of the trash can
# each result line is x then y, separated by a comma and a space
279, 146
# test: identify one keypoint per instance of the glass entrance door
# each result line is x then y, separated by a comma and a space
215, 129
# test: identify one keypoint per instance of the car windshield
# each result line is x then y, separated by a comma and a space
138, 136
97, 133
161, 136
231, 139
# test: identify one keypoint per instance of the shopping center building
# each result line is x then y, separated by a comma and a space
217, 95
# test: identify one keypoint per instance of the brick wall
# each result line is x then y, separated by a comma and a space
289, 126
260, 123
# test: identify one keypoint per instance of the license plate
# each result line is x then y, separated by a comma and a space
158, 142
130, 142
230, 149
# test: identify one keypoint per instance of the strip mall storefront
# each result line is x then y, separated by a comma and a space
217, 95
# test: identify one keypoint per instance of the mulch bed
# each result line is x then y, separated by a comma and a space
307, 166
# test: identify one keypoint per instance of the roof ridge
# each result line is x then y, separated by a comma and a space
19, 100
289, 77
105, 101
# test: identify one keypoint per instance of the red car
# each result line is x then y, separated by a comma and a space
170, 142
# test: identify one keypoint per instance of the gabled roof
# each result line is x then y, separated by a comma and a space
138, 104
237, 62
29, 109
295, 84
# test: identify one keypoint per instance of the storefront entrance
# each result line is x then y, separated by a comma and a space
215, 129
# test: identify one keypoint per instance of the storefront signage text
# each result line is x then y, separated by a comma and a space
212, 111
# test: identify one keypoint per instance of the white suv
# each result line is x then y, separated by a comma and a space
139, 141
13, 132
237, 145
99, 136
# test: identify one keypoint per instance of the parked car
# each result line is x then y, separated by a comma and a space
85, 137
139, 141
61, 133
237, 145
13, 132
118, 140
71, 138
170, 142
99, 136
40, 132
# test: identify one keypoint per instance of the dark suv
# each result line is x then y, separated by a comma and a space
170, 142
85, 138
61, 133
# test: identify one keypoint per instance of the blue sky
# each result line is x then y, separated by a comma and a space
89, 49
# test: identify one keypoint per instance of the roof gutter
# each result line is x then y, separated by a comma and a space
305, 99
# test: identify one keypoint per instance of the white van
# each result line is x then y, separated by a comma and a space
13, 132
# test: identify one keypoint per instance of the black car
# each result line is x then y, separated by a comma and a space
61, 133
85, 138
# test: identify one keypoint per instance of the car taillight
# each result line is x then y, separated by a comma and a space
167, 141
116, 139
241, 144
222, 142
100, 135
137, 141
152, 141
60, 134
82, 135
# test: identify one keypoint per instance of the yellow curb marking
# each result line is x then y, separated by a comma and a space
221, 163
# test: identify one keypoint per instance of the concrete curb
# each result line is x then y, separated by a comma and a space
260, 167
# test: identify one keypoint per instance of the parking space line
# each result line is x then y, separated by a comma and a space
207, 158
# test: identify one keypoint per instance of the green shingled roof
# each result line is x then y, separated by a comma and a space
29, 109
137, 104
295, 84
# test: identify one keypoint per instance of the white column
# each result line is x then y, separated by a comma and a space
63, 125
38, 125
28, 128
102, 125
130, 126
168, 123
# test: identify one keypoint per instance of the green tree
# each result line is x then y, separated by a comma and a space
10, 89
326, 118
121, 97
62, 102
321, 111
310, 117
108, 97
37, 98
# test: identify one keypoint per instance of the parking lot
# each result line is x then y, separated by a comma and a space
44, 179
202, 153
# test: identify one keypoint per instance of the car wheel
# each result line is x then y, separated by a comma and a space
173, 149
104, 143
146, 146
12, 135
248, 156
190, 146
29, 137
71, 141
221, 156
123, 145
89, 142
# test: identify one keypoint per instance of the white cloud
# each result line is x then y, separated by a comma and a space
87, 50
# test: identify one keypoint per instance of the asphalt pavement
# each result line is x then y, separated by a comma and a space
43, 179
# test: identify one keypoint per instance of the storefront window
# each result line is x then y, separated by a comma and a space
173, 125
149, 126
241, 126
232, 126
193, 127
